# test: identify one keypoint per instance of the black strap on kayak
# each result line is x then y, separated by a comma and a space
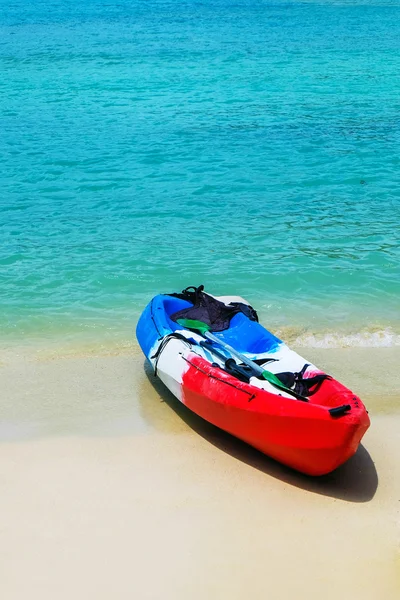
207, 309
165, 341
303, 385
190, 294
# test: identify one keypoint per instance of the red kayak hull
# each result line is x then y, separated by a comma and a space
301, 435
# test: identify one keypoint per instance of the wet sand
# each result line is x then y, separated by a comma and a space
111, 488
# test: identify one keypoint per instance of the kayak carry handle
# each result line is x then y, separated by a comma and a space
338, 411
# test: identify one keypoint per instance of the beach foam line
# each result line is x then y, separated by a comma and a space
374, 338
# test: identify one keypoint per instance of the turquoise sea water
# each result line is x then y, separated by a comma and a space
251, 146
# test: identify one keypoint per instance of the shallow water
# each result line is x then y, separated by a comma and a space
252, 147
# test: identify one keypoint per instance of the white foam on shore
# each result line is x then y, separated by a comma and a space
384, 338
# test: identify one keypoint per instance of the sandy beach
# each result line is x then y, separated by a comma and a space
111, 488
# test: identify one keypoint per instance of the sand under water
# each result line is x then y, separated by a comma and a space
109, 487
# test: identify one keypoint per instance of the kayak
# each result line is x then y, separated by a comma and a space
221, 363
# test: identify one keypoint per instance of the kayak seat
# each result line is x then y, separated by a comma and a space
243, 334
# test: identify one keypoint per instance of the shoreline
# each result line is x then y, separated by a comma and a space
344, 335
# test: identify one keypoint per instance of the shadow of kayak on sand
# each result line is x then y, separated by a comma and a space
355, 481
